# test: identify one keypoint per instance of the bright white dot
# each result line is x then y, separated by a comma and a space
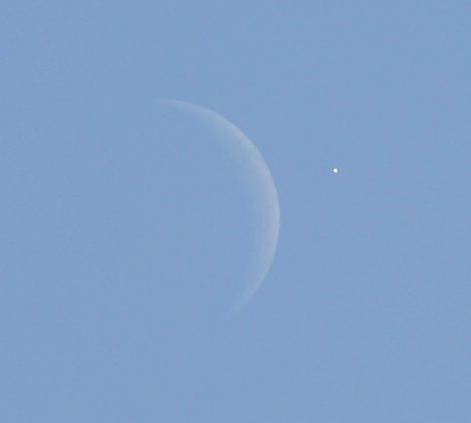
335, 170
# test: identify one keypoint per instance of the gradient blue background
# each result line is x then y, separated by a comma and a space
365, 314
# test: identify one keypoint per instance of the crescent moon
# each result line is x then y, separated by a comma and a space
259, 180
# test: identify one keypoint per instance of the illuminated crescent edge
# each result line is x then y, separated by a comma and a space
268, 202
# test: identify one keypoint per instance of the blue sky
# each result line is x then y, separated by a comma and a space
118, 216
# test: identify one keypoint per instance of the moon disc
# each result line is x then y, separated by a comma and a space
153, 213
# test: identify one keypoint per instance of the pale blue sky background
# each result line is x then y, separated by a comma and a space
110, 230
